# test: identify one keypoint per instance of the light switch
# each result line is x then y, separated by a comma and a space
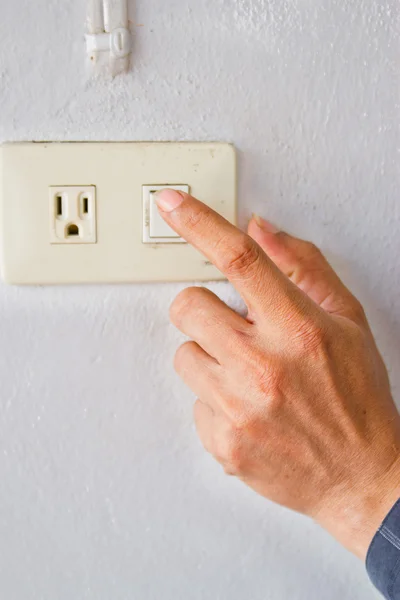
155, 229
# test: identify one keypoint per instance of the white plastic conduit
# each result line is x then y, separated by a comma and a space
108, 39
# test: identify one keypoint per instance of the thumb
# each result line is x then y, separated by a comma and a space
306, 267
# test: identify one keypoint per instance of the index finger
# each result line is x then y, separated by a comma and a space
234, 253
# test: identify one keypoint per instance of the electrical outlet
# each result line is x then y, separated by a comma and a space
105, 232
72, 214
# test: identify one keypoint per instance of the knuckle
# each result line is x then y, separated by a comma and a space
357, 337
271, 382
270, 385
184, 303
304, 258
310, 250
183, 356
267, 373
310, 337
239, 340
229, 450
230, 470
358, 312
241, 260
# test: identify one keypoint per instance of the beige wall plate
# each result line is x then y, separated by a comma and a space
115, 175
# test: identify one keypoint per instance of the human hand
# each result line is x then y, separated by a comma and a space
295, 398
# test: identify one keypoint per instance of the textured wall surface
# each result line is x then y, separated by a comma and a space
105, 492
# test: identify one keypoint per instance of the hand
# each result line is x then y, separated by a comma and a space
294, 399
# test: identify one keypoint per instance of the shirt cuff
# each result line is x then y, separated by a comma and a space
383, 557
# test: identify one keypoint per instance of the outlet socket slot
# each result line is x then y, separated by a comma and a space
85, 202
72, 229
59, 205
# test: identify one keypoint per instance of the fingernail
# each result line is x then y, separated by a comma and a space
168, 200
265, 225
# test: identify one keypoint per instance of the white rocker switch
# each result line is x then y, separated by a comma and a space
155, 229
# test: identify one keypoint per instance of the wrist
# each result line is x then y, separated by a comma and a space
356, 512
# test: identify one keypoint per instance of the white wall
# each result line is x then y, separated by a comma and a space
105, 492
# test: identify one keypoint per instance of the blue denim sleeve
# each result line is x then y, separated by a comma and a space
383, 558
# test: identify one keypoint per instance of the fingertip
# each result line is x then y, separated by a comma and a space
168, 199
258, 233
263, 224
252, 225
271, 239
